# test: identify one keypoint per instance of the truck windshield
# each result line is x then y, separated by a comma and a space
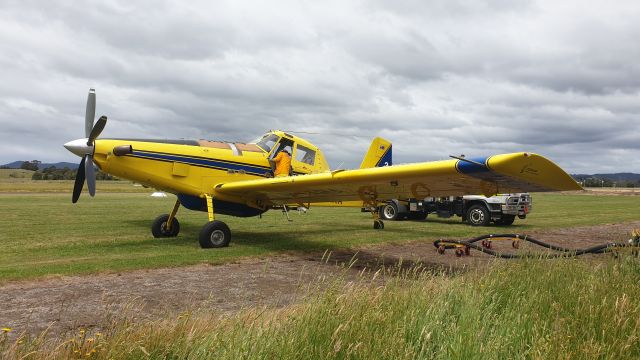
266, 142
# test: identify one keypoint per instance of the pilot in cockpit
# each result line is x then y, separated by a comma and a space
282, 162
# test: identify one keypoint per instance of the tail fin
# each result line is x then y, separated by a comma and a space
379, 154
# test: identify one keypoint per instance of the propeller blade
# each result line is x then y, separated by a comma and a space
91, 112
97, 129
77, 186
90, 174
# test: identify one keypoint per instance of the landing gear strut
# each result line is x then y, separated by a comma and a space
377, 222
214, 234
166, 225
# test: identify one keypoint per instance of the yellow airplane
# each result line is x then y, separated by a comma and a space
234, 178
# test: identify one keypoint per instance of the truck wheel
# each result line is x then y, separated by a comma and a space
389, 212
419, 215
478, 215
505, 220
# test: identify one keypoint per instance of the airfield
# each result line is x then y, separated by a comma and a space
66, 268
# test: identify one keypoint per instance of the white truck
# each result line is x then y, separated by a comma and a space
476, 210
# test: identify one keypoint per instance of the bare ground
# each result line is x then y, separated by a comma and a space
68, 303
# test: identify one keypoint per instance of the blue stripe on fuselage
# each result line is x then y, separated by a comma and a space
202, 162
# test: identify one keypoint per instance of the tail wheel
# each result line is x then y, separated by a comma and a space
159, 227
378, 224
214, 234
478, 215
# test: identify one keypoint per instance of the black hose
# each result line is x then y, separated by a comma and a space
564, 252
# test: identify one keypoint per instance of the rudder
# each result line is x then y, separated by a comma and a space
379, 154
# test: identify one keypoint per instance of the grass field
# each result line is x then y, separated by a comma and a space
9, 174
26, 185
44, 234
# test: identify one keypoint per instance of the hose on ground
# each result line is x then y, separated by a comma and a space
563, 251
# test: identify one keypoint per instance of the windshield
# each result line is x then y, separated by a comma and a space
267, 142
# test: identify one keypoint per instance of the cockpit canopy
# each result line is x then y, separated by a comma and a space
307, 157
266, 141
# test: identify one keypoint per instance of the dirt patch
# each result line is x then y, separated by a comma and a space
67, 303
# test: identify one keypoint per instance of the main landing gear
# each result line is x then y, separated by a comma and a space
214, 234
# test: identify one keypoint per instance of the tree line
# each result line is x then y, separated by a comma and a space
54, 173
601, 182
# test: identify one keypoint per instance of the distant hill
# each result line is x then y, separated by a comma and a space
58, 165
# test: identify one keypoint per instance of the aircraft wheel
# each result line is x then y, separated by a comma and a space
441, 249
378, 224
159, 227
459, 252
214, 234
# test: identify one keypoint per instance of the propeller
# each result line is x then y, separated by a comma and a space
86, 172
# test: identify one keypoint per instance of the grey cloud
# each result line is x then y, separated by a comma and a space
436, 78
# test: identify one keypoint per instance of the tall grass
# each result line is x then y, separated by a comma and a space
539, 309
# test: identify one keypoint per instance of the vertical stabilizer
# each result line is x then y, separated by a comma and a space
379, 154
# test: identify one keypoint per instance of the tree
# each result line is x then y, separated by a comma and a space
30, 165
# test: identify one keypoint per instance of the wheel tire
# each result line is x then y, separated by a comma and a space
505, 220
214, 234
478, 215
159, 227
418, 215
389, 211
378, 224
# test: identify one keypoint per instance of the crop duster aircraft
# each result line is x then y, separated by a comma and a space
234, 178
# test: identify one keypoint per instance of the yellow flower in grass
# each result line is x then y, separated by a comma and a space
7, 329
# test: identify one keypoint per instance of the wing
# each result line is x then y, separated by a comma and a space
507, 173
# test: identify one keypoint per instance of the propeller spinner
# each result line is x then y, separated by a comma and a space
84, 148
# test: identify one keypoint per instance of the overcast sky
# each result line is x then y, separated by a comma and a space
438, 77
